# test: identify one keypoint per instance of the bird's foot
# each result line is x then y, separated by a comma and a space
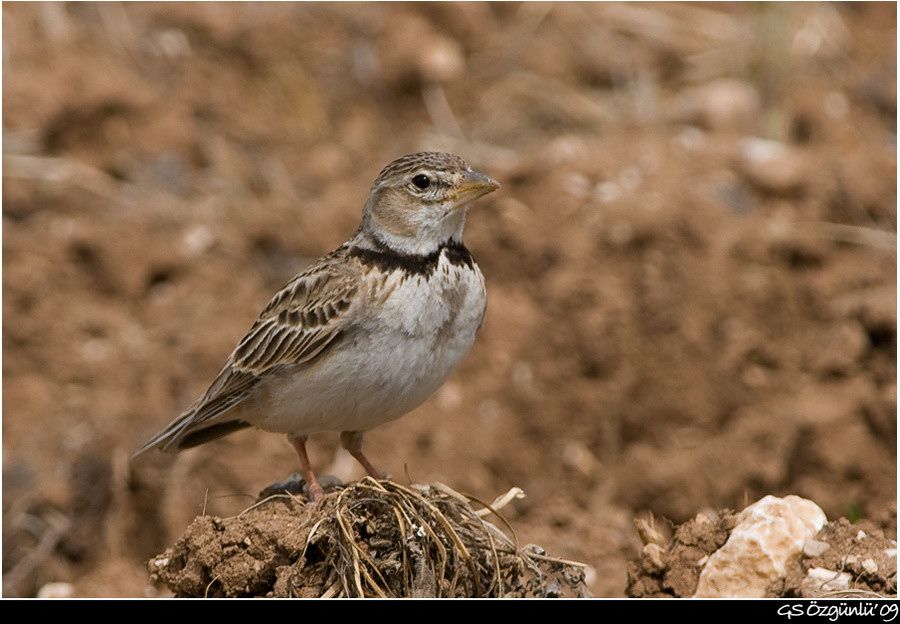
297, 485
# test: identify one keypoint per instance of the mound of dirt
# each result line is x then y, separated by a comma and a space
369, 539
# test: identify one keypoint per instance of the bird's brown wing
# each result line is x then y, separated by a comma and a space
301, 321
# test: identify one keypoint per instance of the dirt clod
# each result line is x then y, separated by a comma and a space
674, 569
368, 539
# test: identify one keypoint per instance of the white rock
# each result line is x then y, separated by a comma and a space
815, 548
821, 580
690, 139
860, 536
577, 184
724, 104
607, 192
56, 590
767, 534
772, 166
565, 149
702, 518
172, 43
441, 59
197, 240
870, 566
576, 456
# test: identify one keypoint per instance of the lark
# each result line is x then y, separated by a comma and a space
368, 332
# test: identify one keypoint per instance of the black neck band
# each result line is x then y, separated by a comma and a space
388, 259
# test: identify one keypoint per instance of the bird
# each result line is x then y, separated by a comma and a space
366, 333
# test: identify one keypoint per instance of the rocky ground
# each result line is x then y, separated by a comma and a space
776, 547
691, 265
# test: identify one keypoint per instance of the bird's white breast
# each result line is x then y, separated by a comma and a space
392, 360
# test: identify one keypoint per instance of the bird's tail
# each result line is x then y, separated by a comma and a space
184, 432
168, 437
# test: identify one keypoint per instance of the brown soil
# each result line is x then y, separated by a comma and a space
669, 569
861, 550
679, 318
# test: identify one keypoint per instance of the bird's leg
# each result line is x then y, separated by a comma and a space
299, 444
352, 441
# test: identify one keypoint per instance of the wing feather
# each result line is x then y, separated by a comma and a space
298, 325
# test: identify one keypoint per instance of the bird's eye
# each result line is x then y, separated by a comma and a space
421, 181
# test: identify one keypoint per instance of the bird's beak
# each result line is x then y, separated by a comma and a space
475, 184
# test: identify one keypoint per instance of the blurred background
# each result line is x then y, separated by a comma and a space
691, 265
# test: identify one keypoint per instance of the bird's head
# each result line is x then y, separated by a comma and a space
419, 201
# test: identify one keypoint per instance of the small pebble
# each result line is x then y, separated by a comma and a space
576, 456
820, 580
815, 548
577, 185
56, 590
653, 558
197, 240
721, 105
607, 192
771, 166
441, 59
